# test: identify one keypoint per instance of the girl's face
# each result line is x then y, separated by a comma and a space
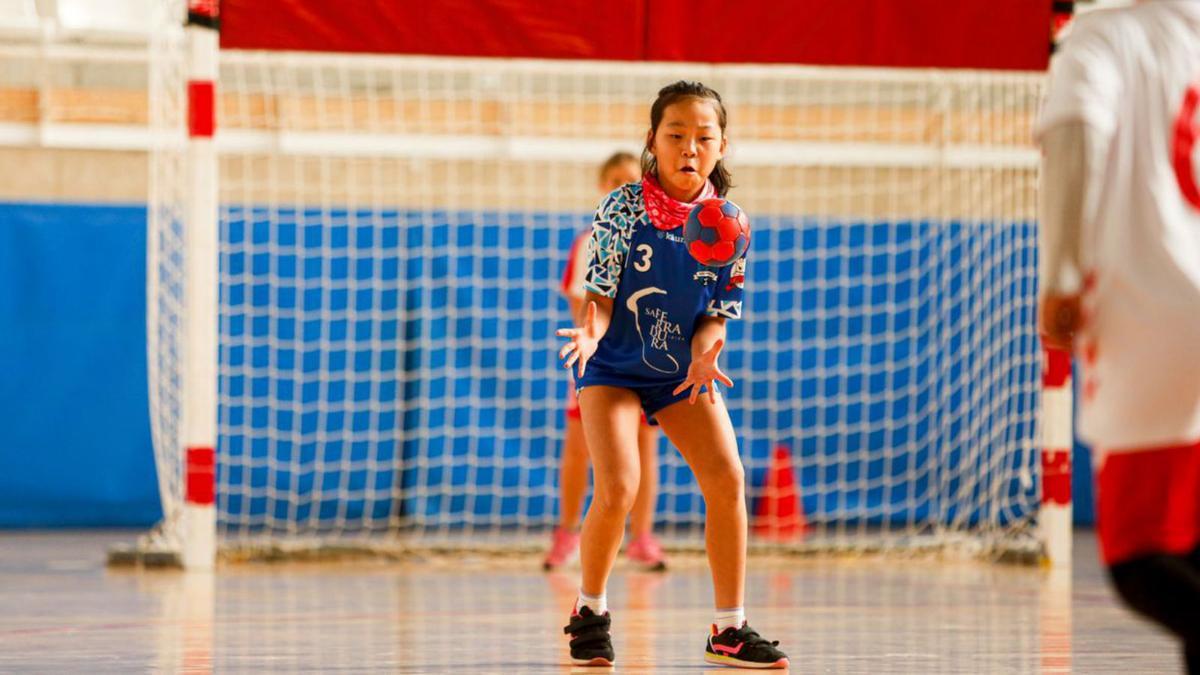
687, 146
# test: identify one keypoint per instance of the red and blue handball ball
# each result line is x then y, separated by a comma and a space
716, 232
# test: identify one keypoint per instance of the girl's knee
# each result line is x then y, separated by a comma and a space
616, 492
726, 485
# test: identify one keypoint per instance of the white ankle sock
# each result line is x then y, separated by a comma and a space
735, 616
598, 603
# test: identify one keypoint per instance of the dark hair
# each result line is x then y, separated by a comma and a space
674, 93
614, 160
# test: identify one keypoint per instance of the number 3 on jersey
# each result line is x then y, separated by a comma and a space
647, 253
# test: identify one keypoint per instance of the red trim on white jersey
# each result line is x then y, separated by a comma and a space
1187, 128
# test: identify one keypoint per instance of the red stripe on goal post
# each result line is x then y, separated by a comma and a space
1057, 437
201, 109
1056, 426
1056, 477
1057, 368
201, 476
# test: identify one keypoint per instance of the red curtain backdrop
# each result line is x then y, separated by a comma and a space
1001, 34
557, 29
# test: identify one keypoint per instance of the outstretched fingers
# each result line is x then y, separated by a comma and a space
723, 378
571, 361
567, 349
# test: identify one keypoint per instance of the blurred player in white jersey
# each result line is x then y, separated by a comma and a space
643, 548
1120, 283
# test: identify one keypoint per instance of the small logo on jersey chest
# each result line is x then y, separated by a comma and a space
705, 276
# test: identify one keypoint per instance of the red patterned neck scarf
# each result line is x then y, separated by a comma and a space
666, 212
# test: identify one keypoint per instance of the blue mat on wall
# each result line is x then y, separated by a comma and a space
75, 440
75, 446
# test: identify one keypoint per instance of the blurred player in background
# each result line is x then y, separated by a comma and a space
1120, 283
643, 548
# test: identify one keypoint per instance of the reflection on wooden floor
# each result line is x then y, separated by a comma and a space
62, 611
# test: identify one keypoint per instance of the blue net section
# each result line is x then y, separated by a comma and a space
397, 369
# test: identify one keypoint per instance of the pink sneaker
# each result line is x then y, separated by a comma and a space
564, 548
647, 553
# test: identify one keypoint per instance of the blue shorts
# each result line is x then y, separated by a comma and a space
654, 397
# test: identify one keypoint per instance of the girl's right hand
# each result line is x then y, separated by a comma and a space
582, 341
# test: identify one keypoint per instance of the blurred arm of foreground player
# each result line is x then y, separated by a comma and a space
1070, 159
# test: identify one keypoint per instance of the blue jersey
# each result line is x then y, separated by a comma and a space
659, 293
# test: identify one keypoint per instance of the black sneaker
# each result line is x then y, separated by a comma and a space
591, 644
744, 648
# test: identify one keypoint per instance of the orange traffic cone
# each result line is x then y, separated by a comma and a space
778, 515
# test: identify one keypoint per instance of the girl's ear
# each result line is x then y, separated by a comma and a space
650, 141
724, 145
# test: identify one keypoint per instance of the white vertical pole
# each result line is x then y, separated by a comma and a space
199, 423
1055, 515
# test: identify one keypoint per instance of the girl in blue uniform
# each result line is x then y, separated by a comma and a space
654, 328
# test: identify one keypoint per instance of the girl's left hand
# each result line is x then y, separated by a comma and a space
702, 372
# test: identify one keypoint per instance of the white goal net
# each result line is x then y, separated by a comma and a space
393, 231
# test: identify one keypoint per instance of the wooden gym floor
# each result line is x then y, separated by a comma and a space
61, 610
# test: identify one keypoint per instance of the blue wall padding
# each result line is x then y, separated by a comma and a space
75, 443
75, 440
